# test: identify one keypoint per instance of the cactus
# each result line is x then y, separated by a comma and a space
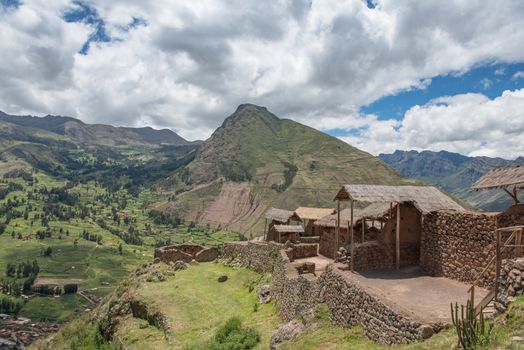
471, 331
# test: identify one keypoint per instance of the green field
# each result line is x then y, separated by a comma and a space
94, 266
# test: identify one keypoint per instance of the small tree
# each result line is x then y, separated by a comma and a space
120, 249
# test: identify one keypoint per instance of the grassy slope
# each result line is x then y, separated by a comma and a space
254, 145
89, 264
196, 305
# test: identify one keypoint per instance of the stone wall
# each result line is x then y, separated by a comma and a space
373, 255
186, 253
459, 245
350, 304
304, 250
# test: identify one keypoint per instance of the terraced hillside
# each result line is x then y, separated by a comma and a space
256, 160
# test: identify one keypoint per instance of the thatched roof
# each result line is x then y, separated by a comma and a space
280, 215
499, 178
372, 211
289, 228
425, 198
306, 213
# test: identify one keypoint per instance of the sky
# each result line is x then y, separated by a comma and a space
379, 74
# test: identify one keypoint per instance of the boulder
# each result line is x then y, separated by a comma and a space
180, 265
264, 294
222, 278
286, 332
425, 331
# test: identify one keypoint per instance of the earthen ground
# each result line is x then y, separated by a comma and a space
321, 262
425, 296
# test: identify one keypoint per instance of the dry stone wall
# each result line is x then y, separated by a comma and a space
186, 253
349, 303
460, 245
373, 255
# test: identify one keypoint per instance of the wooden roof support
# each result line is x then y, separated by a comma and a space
337, 230
512, 194
397, 234
352, 248
363, 229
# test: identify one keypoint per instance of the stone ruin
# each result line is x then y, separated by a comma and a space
185, 252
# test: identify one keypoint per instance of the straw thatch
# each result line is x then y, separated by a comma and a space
425, 198
500, 178
306, 213
374, 211
289, 228
280, 215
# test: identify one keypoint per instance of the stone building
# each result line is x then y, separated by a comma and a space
309, 216
275, 216
284, 233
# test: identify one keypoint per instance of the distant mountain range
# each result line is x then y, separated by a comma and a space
99, 134
453, 173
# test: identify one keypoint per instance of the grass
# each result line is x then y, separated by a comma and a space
197, 304
90, 265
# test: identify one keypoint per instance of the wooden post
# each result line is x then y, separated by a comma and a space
519, 244
363, 229
472, 290
337, 230
352, 248
265, 229
497, 266
397, 234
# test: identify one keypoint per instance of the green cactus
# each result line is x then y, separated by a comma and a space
471, 330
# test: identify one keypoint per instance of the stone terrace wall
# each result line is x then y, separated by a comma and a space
349, 303
258, 256
185, 252
459, 245
304, 250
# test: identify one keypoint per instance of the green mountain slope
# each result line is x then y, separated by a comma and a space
256, 160
453, 173
99, 134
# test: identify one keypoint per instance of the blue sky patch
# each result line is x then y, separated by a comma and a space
7, 5
84, 13
490, 80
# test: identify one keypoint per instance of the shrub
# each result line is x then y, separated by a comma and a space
232, 336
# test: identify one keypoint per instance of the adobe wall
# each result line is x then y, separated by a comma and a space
459, 245
350, 304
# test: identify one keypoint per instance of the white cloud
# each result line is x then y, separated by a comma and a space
518, 75
317, 62
470, 124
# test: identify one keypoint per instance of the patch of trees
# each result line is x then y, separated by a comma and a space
10, 305
91, 236
161, 218
23, 269
289, 174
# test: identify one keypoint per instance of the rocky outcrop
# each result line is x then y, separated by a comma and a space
285, 332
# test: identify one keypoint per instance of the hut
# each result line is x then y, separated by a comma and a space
368, 222
309, 216
284, 233
275, 216
507, 179
402, 230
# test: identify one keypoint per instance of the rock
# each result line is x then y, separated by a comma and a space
425, 331
519, 263
180, 265
264, 294
156, 261
222, 278
286, 332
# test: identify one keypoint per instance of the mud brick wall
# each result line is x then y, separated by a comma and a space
373, 255
309, 239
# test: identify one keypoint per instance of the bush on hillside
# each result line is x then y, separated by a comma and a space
232, 336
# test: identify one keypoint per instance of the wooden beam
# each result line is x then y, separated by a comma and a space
352, 248
397, 238
497, 265
337, 230
363, 229
265, 229
512, 194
